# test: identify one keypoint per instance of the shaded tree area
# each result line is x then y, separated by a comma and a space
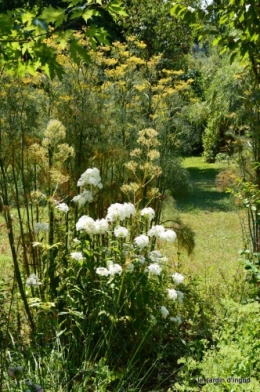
152, 23
8, 5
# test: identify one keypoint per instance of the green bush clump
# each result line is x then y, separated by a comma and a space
232, 358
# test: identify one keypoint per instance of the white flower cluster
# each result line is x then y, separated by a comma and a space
141, 241
78, 256
164, 312
172, 294
120, 212
83, 198
148, 213
33, 281
91, 227
113, 269
176, 319
141, 259
41, 226
154, 269
90, 177
63, 207
157, 257
177, 278
160, 232
101, 226
180, 296
121, 232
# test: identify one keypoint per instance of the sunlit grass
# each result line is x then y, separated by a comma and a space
213, 217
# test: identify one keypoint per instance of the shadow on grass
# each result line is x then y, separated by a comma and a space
204, 195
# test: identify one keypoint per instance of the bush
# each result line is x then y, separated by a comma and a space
232, 358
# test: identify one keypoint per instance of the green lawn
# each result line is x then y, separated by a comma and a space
213, 217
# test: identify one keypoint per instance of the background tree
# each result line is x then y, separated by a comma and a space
235, 25
150, 22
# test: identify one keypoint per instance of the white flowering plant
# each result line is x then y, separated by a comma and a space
105, 272
116, 276
97, 273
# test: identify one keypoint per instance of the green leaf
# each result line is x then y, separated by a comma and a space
89, 14
78, 52
233, 57
175, 10
115, 8
54, 15
27, 17
27, 47
40, 24
6, 24
216, 41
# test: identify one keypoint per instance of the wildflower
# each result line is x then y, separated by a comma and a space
86, 223
121, 232
176, 319
101, 226
102, 271
120, 212
129, 209
63, 207
154, 269
148, 213
76, 256
156, 231
83, 198
114, 212
155, 256
76, 241
115, 269
141, 259
177, 278
164, 312
180, 296
54, 133
168, 235
33, 281
141, 241
90, 177
35, 244
41, 227
172, 294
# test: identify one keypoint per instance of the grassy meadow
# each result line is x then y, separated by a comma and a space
216, 221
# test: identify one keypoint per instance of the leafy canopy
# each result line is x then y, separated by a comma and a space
24, 34
234, 23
